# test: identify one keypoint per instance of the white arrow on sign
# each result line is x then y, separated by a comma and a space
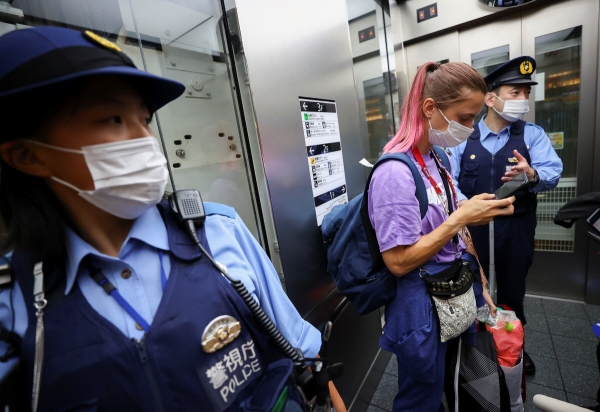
311, 151
343, 189
304, 105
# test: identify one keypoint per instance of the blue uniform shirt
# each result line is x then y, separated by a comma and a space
137, 275
543, 157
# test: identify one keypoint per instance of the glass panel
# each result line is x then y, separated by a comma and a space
558, 58
485, 62
375, 74
182, 40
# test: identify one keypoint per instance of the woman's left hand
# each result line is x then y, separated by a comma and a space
489, 301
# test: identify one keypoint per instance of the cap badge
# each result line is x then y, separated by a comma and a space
220, 332
101, 41
526, 67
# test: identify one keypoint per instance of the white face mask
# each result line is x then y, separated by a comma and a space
129, 176
454, 135
513, 109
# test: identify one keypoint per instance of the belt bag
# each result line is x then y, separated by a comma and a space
451, 291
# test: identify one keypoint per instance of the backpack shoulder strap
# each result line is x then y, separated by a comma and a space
420, 192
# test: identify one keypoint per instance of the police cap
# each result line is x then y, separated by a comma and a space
40, 63
515, 71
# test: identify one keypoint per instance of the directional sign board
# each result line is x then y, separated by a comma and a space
324, 152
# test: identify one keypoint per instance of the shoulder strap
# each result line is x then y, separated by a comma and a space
443, 157
449, 193
420, 193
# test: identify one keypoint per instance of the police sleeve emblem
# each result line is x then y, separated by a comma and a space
220, 332
526, 67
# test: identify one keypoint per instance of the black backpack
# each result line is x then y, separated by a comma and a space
353, 257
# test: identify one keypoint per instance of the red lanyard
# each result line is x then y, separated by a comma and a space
443, 172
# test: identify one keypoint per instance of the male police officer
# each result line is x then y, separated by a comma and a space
501, 147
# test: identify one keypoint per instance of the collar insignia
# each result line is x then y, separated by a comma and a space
101, 41
220, 332
526, 67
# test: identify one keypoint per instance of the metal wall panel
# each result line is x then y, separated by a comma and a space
486, 37
450, 14
440, 48
292, 50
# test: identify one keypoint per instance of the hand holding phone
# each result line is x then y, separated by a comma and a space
510, 188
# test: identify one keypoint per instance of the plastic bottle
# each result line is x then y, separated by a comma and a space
507, 321
484, 315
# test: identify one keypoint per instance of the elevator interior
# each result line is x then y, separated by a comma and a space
237, 135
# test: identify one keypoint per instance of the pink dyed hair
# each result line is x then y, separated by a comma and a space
445, 84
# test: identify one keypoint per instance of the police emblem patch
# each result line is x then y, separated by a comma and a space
526, 67
220, 332
101, 41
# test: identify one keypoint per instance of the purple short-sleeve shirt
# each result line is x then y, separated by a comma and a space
394, 209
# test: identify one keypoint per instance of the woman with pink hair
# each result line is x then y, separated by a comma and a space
439, 110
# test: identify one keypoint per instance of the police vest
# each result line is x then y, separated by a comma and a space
90, 365
481, 171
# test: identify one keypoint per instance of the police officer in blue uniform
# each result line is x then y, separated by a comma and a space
114, 305
502, 146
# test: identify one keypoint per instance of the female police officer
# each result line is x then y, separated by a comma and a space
82, 178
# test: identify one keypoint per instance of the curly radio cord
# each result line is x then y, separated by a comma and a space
258, 312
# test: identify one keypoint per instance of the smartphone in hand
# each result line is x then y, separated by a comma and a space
510, 188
